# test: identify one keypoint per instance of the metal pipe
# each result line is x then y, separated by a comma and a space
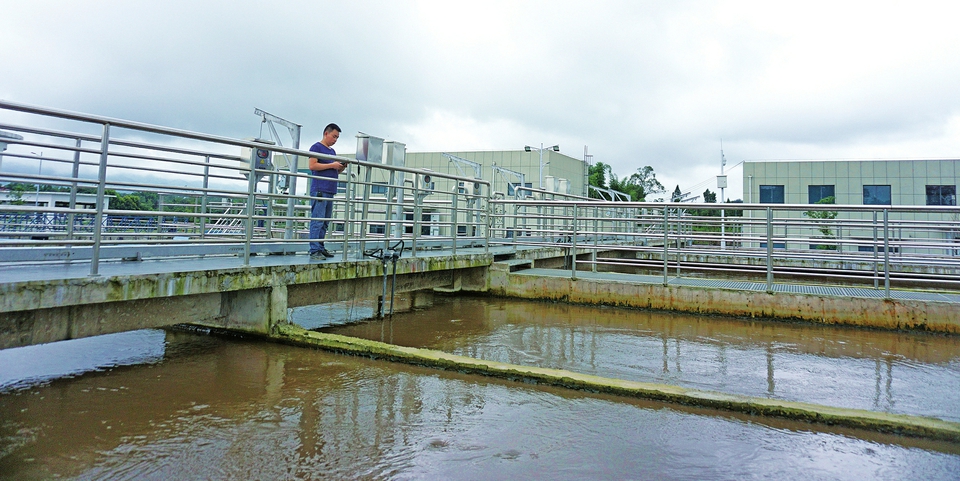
769, 250
886, 254
573, 248
101, 187
73, 190
666, 246
251, 200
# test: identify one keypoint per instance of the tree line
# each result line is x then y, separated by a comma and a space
147, 201
643, 183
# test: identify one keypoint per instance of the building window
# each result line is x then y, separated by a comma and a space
424, 223
461, 230
941, 195
816, 193
378, 188
771, 194
377, 229
341, 187
876, 195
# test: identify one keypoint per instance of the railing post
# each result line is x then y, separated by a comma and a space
596, 240
251, 199
388, 210
349, 210
679, 238
769, 250
517, 232
365, 208
291, 192
417, 214
540, 224
454, 217
203, 198
886, 253
666, 246
489, 221
573, 249
101, 187
876, 262
73, 191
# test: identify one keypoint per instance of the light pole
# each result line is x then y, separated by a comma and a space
36, 200
555, 148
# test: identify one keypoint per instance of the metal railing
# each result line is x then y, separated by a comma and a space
204, 198
915, 246
204, 201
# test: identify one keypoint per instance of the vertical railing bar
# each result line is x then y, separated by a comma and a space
349, 212
388, 210
292, 193
666, 246
886, 253
73, 191
769, 249
251, 199
573, 250
876, 261
204, 198
365, 208
489, 219
596, 240
455, 217
101, 187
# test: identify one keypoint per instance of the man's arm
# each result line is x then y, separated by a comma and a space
315, 164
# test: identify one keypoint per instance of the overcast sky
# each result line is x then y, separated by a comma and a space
640, 83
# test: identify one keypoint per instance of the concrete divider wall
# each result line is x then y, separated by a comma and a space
865, 312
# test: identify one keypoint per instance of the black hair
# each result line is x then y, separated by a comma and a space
330, 127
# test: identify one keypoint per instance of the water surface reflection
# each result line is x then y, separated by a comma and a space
216, 408
865, 369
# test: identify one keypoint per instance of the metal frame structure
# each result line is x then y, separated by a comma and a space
212, 206
219, 208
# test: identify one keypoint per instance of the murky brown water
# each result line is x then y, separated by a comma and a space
864, 369
187, 406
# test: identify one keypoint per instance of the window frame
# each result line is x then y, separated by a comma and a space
775, 187
832, 189
889, 194
941, 197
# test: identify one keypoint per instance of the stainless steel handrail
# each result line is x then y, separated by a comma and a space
207, 184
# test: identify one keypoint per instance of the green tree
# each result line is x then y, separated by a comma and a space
639, 185
597, 177
677, 195
823, 218
708, 198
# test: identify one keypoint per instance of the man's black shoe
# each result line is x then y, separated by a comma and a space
325, 253
317, 255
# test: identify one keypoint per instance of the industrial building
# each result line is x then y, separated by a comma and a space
895, 183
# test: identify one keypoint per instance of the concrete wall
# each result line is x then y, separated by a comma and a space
862, 312
253, 299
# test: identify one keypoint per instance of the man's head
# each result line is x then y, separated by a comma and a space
330, 135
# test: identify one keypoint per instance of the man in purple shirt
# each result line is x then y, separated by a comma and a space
322, 188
